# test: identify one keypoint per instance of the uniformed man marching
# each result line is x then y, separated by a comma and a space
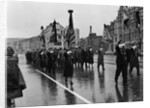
134, 61
83, 58
121, 62
68, 68
51, 61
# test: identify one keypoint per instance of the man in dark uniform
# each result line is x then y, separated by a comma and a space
134, 61
48, 61
83, 58
68, 68
91, 56
121, 62
51, 61
43, 59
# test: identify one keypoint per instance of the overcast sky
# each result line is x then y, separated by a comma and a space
24, 18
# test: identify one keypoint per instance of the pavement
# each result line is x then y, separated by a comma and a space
89, 86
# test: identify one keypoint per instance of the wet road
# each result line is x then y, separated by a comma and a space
89, 86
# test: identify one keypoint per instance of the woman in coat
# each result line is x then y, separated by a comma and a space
15, 81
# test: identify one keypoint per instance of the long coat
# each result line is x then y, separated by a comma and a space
68, 69
90, 57
134, 62
83, 56
50, 60
15, 80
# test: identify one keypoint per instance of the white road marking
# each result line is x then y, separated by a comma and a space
77, 95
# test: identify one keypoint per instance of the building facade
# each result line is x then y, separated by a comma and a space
134, 30
93, 41
34, 43
129, 29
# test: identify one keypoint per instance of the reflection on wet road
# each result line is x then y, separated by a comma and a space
89, 84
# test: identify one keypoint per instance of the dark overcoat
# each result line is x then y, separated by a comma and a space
134, 62
15, 80
68, 69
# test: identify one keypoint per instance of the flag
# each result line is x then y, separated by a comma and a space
70, 36
137, 17
107, 33
125, 19
53, 38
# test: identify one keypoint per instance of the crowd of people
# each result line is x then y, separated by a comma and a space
127, 57
66, 59
47, 60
